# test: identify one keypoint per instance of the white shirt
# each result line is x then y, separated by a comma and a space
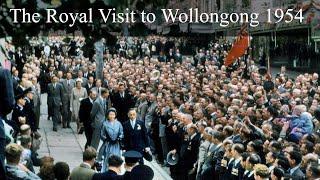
192, 136
91, 100
133, 123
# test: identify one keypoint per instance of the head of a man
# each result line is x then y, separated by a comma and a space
93, 94
104, 93
13, 153
294, 158
89, 155
121, 87
261, 172
132, 114
115, 163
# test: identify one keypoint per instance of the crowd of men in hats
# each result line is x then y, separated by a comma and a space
199, 118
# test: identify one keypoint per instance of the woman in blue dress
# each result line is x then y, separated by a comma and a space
111, 135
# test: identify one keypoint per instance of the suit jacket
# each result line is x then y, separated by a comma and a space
84, 112
88, 88
203, 151
31, 117
15, 81
55, 95
126, 176
137, 138
297, 175
122, 105
236, 171
150, 115
37, 95
67, 90
7, 101
18, 90
142, 110
98, 112
248, 176
16, 113
109, 175
189, 153
96, 89
82, 172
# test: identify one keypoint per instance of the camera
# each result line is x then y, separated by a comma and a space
98, 165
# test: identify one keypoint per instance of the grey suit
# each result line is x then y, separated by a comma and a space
96, 90
98, 115
37, 103
67, 91
142, 110
150, 115
203, 152
55, 96
297, 174
82, 172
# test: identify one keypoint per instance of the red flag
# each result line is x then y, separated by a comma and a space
239, 47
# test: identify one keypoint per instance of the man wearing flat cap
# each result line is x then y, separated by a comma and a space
131, 159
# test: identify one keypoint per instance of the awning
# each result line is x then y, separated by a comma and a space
183, 27
159, 29
201, 28
166, 30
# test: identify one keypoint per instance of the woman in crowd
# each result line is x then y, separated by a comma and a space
111, 135
78, 93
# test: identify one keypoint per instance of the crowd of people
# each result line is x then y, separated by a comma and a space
194, 115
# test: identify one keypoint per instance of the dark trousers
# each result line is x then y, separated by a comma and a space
56, 117
66, 114
36, 111
88, 133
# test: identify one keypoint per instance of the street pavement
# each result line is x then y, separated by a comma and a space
66, 145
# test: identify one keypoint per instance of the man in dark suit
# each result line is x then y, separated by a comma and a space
6, 105
250, 162
20, 59
20, 87
114, 163
55, 95
236, 168
135, 134
295, 159
122, 101
189, 151
15, 78
84, 115
212, 163
18, 114
90, 83
131, 159
29, 105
